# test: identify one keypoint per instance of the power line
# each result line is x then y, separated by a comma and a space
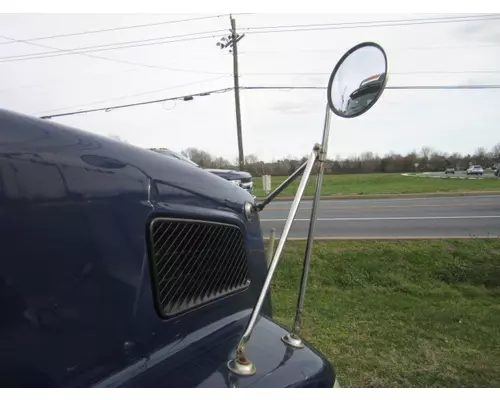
124, 47
82, 77
473, 46
250, 73
401, 87
471, 17
110, 108
443, 87
118, 61
367, 26
392, 73
90, 32
101, 46
135, 94
113, 29
142, 43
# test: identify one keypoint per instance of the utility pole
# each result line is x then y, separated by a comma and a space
232, 41
237, 93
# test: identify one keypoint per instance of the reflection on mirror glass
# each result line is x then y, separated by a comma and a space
358, 81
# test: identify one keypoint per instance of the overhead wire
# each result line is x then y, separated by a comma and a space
252, 30
326, 28
409, 87
134, 95
71, 52
102, 46
246, 73
109, 108
392, 73
460, 17
439, 47
91, 32
399, 87
121, 61
241, 74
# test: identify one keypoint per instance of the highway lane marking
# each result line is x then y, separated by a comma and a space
388, 237
382, 218
387, 207
415, 197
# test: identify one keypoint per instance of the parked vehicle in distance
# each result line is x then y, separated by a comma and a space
449, 170
242, 179
475, 170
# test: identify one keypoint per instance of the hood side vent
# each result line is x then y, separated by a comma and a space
195, 262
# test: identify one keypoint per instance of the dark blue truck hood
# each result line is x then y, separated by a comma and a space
76, 293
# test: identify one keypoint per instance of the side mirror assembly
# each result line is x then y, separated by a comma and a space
355, 85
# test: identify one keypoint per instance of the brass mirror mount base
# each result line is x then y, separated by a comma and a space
241, 366
293, 341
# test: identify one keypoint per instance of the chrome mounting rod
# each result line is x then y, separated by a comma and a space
260, 206
240, 365
293, 339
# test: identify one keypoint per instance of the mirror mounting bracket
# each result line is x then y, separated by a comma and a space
240, 365
322, 153
262, 204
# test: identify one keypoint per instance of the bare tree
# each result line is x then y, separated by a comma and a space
426, 152
480, 156
495, 152
251, 159
200, 157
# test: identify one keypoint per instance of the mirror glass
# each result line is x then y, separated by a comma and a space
358, 80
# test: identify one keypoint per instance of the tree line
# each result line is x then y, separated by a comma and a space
427, 159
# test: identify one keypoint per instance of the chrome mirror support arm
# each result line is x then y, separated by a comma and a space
293, 339
260, 206
240, 365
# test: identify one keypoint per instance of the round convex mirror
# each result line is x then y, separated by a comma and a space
358, 80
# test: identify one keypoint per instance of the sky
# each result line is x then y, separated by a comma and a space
275, 123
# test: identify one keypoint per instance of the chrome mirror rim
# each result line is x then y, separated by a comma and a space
340, 62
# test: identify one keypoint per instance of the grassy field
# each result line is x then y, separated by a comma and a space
381, 184
399, 314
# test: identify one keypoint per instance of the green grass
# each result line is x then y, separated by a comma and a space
399, 314
381, 184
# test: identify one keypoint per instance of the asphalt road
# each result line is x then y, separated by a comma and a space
390, 218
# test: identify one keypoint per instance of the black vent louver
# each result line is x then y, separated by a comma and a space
195, 262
